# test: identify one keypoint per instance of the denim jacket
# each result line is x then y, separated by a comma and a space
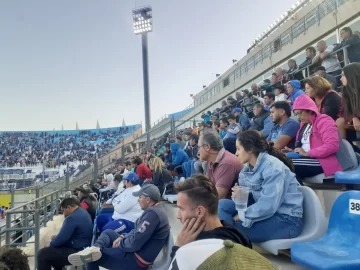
274, 189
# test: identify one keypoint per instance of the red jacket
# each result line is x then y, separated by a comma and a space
143, 172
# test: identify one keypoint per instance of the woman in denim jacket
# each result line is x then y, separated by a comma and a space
275, 204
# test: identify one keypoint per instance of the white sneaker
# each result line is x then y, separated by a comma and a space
89, 254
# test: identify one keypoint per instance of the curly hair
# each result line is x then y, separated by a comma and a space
14, 259
252, 141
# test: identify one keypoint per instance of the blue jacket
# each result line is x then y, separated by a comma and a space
76, 231
178, 155
274, 189
232, 131
244, 122
168, 158
297, 91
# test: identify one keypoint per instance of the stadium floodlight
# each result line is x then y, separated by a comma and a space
143, 23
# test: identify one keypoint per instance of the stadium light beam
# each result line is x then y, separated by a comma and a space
143, 24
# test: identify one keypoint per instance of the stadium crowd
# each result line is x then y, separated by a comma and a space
57, 148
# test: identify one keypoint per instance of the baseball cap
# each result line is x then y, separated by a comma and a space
132, 177
235, 110
217, 254
148, 190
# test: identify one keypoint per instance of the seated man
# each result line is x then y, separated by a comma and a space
283, 134
178, 157
74, 235
126, 208
197, 203
223, 167
262, 121
135, 250
232, 132
243, 119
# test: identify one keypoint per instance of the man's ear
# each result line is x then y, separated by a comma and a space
201, 211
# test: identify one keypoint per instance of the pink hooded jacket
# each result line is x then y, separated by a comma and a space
324, 138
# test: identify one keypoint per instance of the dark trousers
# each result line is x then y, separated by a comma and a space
53, 257
113, 258
307, 167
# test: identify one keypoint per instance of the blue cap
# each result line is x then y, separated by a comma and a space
235, 110
132, 177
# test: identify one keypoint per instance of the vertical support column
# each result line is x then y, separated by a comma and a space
37, 235
172, 127
145, 60
12, 194
24, 224
67, 178
96, 169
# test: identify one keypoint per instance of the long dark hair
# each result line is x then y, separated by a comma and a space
351, 92
252, 141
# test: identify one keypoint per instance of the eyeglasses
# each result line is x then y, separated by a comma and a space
297, 114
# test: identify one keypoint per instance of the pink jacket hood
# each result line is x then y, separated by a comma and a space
304, 102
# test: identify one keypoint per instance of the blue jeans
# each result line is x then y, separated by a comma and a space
279, 226
105, 222
113, 258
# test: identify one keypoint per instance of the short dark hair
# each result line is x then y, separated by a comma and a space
14, 259
347, 29
266, 81
118, 178
137, 161
311, 49
216, 123
195, 138
280, 87
270, 95
127, 163
84, 191
316, 69
72, 202
201, 191
167, 145
231, 116
282, 105
224, 120
259, 106
179, 138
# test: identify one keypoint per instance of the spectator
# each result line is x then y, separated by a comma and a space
310, 54
239, 96
320, 71
142, 170
126, 208
255, 89
269, 98
293, 90
327, 100
318, 143
87, 202
328, 60
223, 167
75, 234
193, 143
14, 259
283, 134
349, 123
267, 86
242, 118
135, 250
168, 155
180, 141
160, 176
280, 93
197, 203
223, 127
232, 131
216, 125
275, 210
293, 73
279, 75
178, 157
262, 121
248, 100
351, 40
186, 139
274, 79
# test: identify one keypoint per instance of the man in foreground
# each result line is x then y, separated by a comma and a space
135, 250
74, 235
198, 207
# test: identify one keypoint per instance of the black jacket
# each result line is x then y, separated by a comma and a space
258, 123
354, 48
227, 232
159, 179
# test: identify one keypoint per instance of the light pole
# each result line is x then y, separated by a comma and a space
142, 20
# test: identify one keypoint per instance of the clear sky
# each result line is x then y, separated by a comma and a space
79, 60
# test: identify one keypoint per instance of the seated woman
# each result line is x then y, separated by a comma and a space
317, 148
87, 201
160, 176
275, 207
126, 208
327, 100
349, 123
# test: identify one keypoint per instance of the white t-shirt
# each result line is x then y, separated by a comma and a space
330, 63
305, 140
126, 205
281, 97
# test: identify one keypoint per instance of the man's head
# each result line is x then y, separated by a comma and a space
216, 125
310, 52
167, 147
232, 119
197, 198
279, 89
149, 195
223, 123
210, 144
178, 139
258, 108
292, 63
279, 71
320, 71
69, 205
130, 180
269, 98
254, 87
137, 161
346, 33
237, 111
117, 179
280, 111
14, 259
194, 139
83, 193
187, 136
321, 46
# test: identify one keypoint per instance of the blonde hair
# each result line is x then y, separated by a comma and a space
156, 164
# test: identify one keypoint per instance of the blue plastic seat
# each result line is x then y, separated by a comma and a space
348, 177
339, 248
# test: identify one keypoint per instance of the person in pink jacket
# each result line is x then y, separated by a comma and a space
317, 141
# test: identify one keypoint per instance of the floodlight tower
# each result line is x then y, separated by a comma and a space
142, 20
